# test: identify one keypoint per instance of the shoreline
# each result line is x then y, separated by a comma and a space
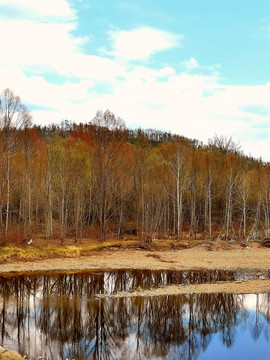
190, 259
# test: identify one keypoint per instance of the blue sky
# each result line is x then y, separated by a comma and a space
192, 67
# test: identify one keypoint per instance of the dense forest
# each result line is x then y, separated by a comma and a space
77, 180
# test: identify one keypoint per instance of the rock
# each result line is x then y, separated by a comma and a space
10, 355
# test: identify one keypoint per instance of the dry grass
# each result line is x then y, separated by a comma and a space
18, 253
43, 250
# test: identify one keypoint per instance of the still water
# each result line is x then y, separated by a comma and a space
58, 316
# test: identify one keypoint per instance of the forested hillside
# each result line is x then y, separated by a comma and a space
74, 180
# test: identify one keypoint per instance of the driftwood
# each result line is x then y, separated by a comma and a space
253, 235
175, 246
266, 242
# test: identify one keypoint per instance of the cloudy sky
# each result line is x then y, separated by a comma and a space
193, 67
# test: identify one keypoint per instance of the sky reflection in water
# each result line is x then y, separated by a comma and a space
57, 316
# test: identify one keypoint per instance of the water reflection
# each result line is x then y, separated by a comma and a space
113, 281
58, 317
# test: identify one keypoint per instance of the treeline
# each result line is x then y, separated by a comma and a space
71, 180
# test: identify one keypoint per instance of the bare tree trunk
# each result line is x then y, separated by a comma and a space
228, 213
29, 205
90, 215
1, 215
192, 230
243, 199
178, 204
210, 209
8, 194
77, 219
120, 224
142, 205
62, 212
258, 215
244, 217
49, 219
179, 213
206, 207
266, 214
174, 218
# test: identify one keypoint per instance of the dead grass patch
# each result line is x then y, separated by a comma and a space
41, 250
32, 253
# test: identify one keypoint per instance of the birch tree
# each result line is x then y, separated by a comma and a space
177, 156
13, 117
109, 135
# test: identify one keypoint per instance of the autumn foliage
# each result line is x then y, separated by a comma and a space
76, 179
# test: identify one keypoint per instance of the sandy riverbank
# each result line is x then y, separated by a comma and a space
250, 258
235, 287
197, 258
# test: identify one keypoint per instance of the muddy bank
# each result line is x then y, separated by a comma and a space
250, 258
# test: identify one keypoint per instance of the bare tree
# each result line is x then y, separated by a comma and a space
177, 156
109, 135
224, 144
13, 117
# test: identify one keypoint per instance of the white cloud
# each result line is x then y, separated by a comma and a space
28, 43
37, 90
143, 73
142, 42
178, 103
162, 99
188, 103
51, 47
89, 67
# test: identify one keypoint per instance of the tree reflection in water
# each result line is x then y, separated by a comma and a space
57, 316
